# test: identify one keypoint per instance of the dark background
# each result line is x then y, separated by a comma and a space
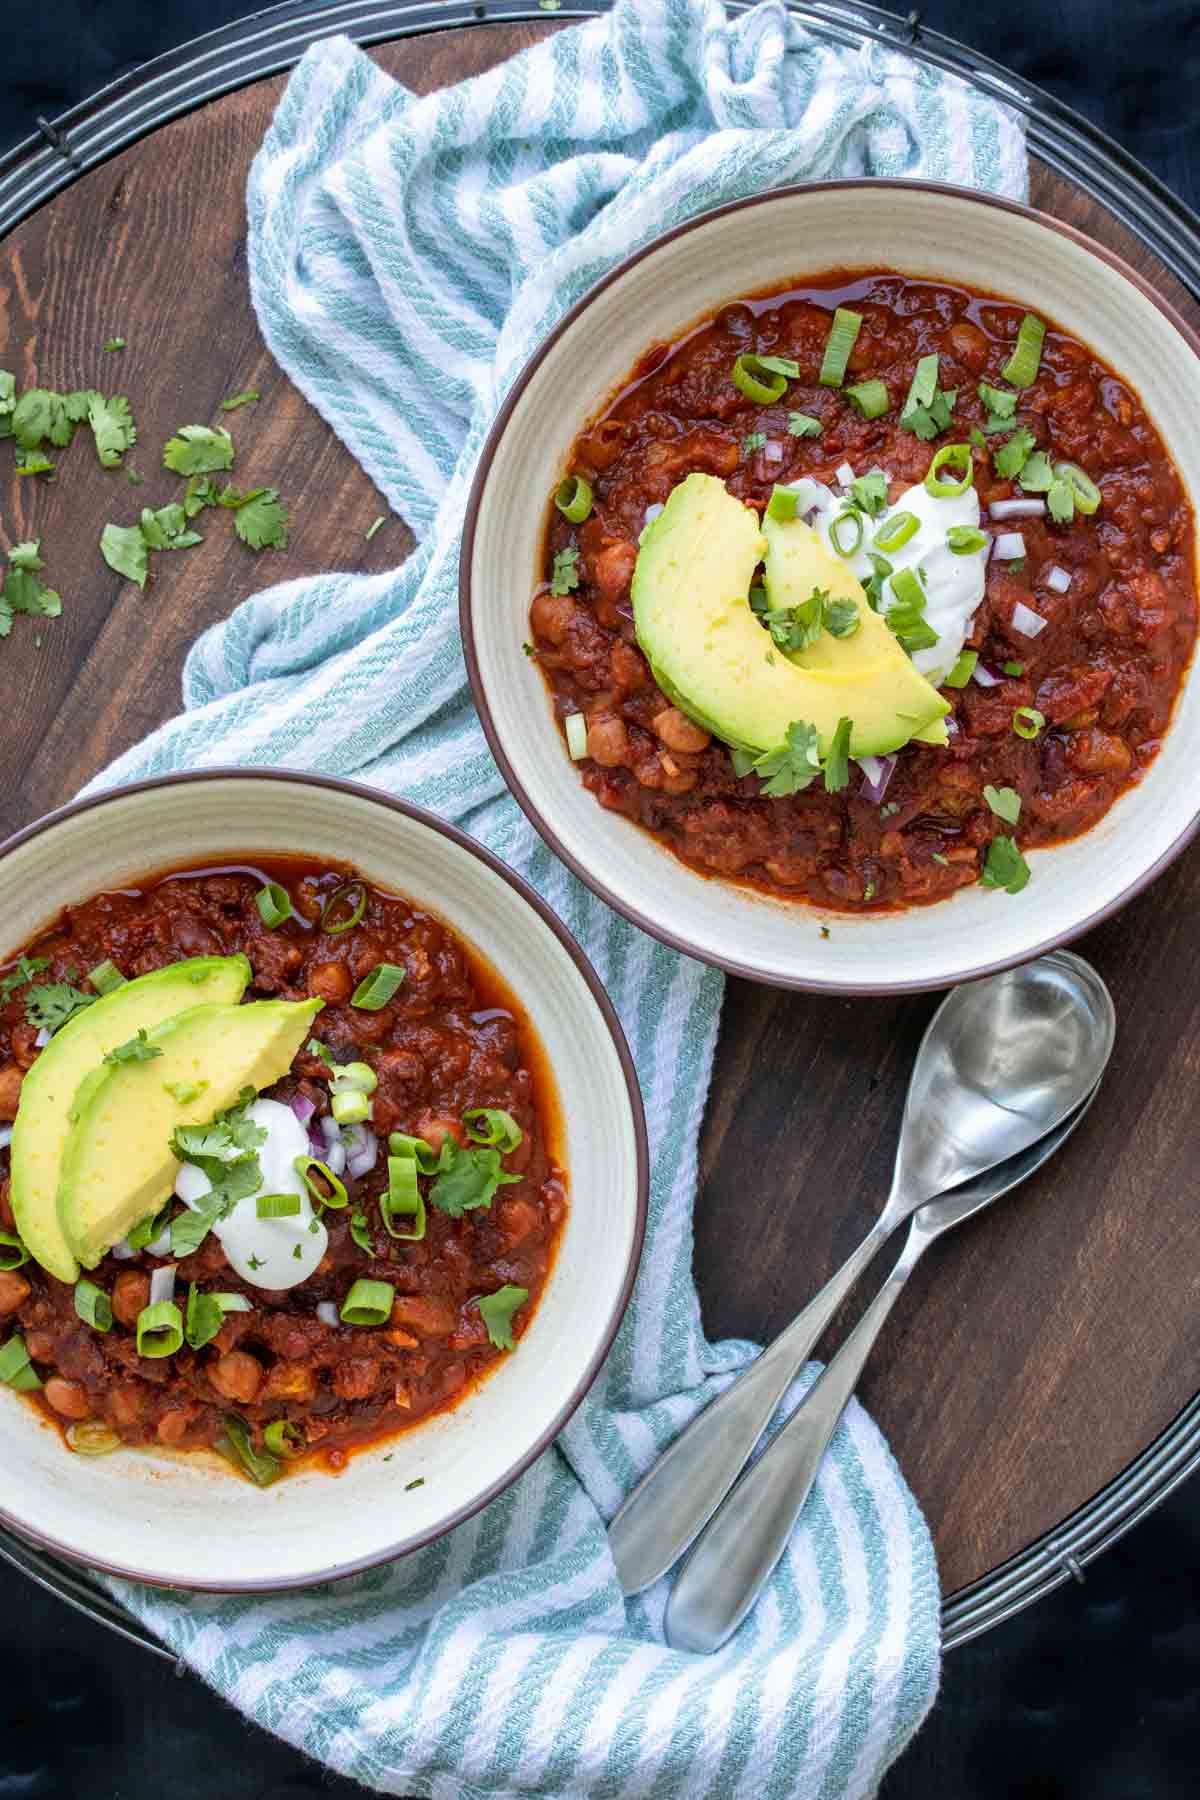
1094, 1694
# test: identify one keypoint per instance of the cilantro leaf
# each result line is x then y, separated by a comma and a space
795, 628
27, 556
1004, 867
205, 1316
114, 343
1060, 502
262, 521
469, 1179
79, 403
837, 759
869, 493
1010, 459
190, 1227
34, 462
1037, 476
754, 440
497, 1310
8, 393
841, 618
200, 492
795, 766
1001, 405
246, 398
197, 450
137, 1049
226, 1150
1005, 802
360, 1231
39, 414
24, 593
124, 549
27, 967
112, 427
565, 576
167, 529
48, 1008
315, 1047
926, 422
803, 425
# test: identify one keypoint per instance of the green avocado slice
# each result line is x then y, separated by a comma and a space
711, 657
40, 1130
118, 1164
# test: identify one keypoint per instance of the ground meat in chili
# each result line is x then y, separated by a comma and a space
1104, 673
451, 1039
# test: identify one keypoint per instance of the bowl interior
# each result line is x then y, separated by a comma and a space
172, 1520
937, 232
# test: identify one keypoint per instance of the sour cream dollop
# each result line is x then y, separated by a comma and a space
270, 1253
953, 584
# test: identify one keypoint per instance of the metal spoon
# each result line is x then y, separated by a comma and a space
735, 1555
1002, 1062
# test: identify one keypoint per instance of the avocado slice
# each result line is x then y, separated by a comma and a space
40, 1131
118, 1164
711, 657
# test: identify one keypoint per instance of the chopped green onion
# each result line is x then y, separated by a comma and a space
763, 379
964, 540
16, 1370
238, 1445
1005, 802
93, 1305
274, 905
277, 1206
1036, 474
283, 1439
924, 383
368, 1303
106, 978
376, 989
159, 1329
869, 398
836, 530
804, 425
497, 1310
782, 504
13, 1254
333, 1195
1013, 668
342, 899
903, 616
843, 334
907, 588
91, 1437
350, 1107
575, 726
426, 1161
403, 1199
353, 1075
1022, 366
755, 441
1027, 721
573, 498
963, 669
896, 530
956, 456
500, 1128
1084, 492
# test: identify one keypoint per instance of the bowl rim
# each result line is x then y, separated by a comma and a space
674, 940
522, 888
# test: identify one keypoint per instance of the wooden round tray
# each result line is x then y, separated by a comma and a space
1037, 1380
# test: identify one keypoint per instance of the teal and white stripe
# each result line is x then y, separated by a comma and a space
402, 248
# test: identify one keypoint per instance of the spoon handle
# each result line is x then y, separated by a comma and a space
736, 1553
684, 1488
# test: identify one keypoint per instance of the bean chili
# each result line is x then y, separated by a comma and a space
1103, 674
450, 1038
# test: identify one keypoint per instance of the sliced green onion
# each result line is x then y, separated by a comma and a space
274, 904
963, 669
376, 989
924, 383
955, 456
277, 1206
106, 978
499, 1128
16, 1370
803, 425
333, 1194
283, 1439
1027, 721
573, 498
869, 398
350, 1107
1013, 668
782, 504
907, 588
763, 379
403, 1199
368, 1303
91, 1437
427, 1162
575, 726
93, 1305
1086, 494
159, 1329
836, 530
896, 530
13, 1254
238, 1445
843, 334
353, 1075
1036, 474
342, 899
1022, 366
964, 540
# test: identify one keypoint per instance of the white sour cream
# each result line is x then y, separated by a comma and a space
953, 584
264, 1251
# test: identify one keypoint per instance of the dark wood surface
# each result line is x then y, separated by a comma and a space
1036, 1352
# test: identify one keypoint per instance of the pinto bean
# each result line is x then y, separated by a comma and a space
14, 1291
608, 743
68, 1398
131, 1292
612, 570
174, 1425
674, 729
11, 1078
330, 981
968, 344
552, 615
125, 1405
237, 1376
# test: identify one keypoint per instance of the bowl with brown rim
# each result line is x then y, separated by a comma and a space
780, 240
182, 1518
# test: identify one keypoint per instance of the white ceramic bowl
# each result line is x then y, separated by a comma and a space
939, 232
173, 1520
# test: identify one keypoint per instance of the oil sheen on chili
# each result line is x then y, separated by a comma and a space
1066, 716
449, 1041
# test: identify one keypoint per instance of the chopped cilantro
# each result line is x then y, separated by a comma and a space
256, 1262
1016, 565
497, 1310
27, 967
1060, 502
939, 858
132, 476
48, 1008
41, 414
977, 438
1001, 406
1004, 867
467, 1179
198, 450
890, 807
316, 1048
824, 931
1037, 474
837, 759
359, 1231
374, 526
112, 427
795, 628
114, 343
926, 422
803, 425
420, 1480
565, 575
1013, 668
138, 1049
199, 493
1010, 459
261, 521
167, 529
752, 442
27, 555
869, 493
124, 549
790, 769
1005, 802
226, 1150
246, 398
22, 592
529, 651
34, 462
869, 891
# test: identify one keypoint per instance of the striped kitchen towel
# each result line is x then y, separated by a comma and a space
406, 255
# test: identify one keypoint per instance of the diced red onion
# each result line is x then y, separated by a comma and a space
845, 474
951, 727
985, 677
42, 1039
162, 1243
122, 1252
772, 452
334, 1151
652, 513
327, 1312
874, 788
303, 1109
6, 1132
1027, 622
1027, 508
162, 1284
1057, 580
362, 1150
1008, 546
